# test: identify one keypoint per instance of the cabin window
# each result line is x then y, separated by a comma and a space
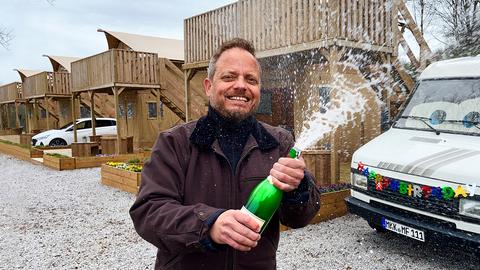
121, 110
265, 106
161, 110
43, 113
152, 109
324, 94
84, 112
130, 110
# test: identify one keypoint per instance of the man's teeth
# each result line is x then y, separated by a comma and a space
239, 98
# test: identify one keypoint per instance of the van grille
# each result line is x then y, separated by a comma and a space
448, 208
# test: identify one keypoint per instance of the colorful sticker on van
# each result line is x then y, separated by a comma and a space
415, 190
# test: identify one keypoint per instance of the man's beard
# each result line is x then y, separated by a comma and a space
234, 116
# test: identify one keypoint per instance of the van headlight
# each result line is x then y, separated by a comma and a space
469, 208
359, 180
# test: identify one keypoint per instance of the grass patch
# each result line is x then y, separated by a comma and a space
16, 144
57, 155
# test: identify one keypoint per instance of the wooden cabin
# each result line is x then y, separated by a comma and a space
305, 48
143, 74
12, 109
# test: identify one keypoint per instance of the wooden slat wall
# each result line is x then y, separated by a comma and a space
39, 84
93, 71
272, 24
61, 83
10, 92
114, 66
133, 67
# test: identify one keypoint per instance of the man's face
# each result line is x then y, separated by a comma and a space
234, 90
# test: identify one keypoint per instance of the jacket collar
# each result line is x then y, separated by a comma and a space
204, 134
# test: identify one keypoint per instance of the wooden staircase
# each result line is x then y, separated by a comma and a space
406, 21
104, 105
172, 93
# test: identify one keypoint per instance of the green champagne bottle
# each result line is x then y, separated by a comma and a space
265, 198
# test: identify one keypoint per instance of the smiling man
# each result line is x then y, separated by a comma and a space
201, 173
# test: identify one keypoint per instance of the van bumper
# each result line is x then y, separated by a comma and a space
440, 234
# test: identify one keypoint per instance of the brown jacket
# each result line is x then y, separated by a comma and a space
189, 179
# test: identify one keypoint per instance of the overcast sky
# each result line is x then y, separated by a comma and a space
69, 27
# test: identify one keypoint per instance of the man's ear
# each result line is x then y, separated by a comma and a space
207, 85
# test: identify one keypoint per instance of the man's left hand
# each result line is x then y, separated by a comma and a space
287, 173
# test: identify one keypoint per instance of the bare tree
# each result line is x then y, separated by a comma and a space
5, 37
6, 34
423, 12
461, 19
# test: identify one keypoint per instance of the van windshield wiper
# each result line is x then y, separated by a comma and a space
473, 123
421, 119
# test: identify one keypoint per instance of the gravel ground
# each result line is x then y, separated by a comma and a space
68, 220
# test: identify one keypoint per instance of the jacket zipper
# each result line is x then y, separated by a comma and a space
231, 253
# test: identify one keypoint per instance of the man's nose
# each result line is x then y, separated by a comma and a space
240, 83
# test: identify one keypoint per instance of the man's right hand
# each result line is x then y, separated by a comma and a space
236, 229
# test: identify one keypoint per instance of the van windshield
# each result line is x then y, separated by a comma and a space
447, 105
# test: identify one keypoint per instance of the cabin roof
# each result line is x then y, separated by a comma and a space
164, 47
23, 73
61, 61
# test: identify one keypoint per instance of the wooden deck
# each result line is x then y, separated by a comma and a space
115, 68
284, 26
47, 84
10, 92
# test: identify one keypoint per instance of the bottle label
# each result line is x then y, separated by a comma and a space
259, 221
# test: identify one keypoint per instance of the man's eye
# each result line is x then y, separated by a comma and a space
252, 81
228, 78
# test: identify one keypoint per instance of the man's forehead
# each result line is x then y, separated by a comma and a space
237, 56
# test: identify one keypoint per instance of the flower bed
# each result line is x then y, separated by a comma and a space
97, 161
58, 162
124, 176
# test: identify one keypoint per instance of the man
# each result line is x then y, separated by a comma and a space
201, 173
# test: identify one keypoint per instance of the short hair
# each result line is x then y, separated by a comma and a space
230, 44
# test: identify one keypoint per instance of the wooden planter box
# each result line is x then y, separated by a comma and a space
59, 163
332, 205
97, 161
121, 179
20, 152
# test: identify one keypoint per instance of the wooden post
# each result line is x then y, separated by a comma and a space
116, 95
334, 139
27, 116
74, 118
35, 113
2, 124
92, 112
47, 112
17, 118
187, 94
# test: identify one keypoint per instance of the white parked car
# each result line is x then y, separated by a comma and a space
64, 135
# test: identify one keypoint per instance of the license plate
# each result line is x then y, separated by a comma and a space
403, 229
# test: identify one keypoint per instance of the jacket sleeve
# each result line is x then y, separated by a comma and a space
158, 213
300, 206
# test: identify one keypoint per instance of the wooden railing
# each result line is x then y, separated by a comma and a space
115, 67
10, 92
47, 83
273, 24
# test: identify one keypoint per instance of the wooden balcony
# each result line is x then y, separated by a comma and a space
284, 26
53, 84
10, 92
115, 68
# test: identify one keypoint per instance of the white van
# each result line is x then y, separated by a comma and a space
421, 178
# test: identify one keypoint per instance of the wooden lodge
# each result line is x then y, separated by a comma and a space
12, 109
305, 48
47, 95
143, 74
